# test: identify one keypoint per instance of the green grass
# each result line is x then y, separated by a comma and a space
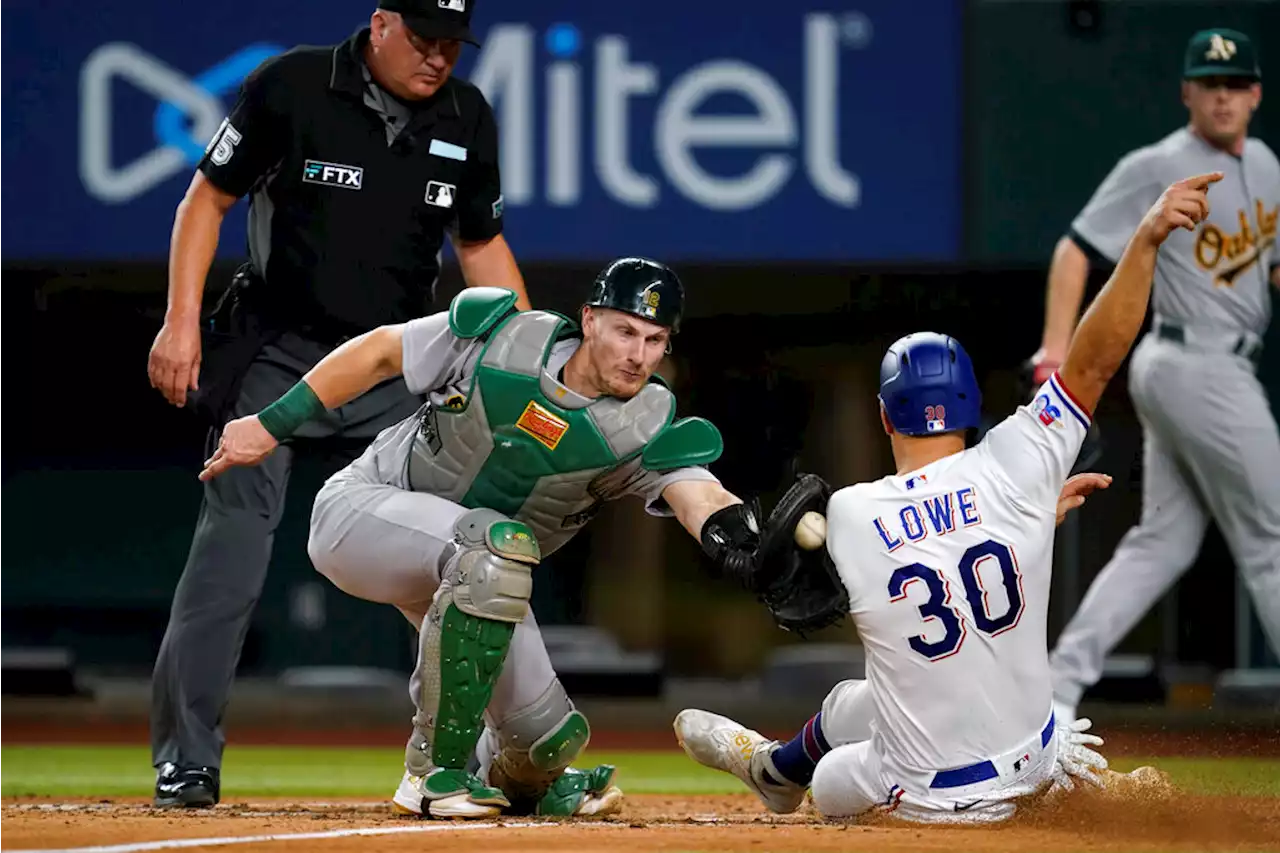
334, 772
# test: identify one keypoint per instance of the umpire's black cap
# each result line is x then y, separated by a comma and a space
435, 19
639, 286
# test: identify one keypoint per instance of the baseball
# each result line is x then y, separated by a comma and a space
811, 532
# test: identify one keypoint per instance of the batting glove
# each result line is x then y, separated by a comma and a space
1075, 758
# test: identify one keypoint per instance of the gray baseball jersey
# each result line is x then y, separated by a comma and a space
1211, 449
378, 540
1218, 275
440, 364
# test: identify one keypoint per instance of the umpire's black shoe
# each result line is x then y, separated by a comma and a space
186, 787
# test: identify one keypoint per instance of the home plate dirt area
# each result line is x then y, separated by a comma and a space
648, 822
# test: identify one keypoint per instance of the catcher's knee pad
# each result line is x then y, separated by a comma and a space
486, 583
536, 744
488, 567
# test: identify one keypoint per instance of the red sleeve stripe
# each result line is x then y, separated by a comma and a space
1077, 409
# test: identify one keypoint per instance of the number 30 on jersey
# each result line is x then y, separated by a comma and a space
940, 607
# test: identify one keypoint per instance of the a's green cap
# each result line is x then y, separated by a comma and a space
1222, 53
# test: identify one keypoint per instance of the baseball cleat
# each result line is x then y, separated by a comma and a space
582, 793
415, 796
719, 742
186, 787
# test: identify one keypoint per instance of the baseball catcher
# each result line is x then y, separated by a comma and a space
532, 422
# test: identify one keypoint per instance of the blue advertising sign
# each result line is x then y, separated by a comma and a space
719, 130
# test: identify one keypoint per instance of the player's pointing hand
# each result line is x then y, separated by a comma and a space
1185, 204
245, 441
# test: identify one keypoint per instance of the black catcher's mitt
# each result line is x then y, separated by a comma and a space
800, 588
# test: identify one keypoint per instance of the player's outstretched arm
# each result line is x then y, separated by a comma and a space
727, 528
1111, 325
338, 378
1068, 273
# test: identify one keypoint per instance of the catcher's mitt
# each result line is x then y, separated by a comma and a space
801, 588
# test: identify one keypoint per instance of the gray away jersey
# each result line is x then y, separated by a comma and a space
440, 364
1218, 275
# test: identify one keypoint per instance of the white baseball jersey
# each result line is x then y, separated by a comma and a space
948, 571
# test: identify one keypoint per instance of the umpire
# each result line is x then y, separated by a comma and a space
358, 159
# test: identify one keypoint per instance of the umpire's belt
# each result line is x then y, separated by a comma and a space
984, 770
1207, 339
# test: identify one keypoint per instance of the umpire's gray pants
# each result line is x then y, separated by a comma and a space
1210, 450
227, 563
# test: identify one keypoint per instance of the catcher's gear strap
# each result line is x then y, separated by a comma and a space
536, 744
476, 310
688, 441
484, 592
730, 537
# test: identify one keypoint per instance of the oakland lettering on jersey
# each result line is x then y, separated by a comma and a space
1240, 250
941, 514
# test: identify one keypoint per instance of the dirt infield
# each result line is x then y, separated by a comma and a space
650, 823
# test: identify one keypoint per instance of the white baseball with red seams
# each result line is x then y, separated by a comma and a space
811, 531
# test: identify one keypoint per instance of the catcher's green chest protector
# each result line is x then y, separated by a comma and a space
523, 444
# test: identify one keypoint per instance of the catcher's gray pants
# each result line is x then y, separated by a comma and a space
1211, 449
227, 563
383, 544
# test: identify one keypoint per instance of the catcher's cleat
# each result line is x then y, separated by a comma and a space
582, 793
719, 742
425, 795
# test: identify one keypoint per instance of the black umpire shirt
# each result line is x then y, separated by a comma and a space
353, 190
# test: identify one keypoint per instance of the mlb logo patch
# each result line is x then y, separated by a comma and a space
333, 174
935, 425
440, 194
497, 208
454, 5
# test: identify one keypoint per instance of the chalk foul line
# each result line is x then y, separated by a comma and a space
178, 843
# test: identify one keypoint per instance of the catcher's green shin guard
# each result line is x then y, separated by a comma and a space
484, 593
536, 744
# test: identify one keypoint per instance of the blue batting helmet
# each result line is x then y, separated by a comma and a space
927, 385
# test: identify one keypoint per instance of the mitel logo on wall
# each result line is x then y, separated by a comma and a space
506, 72
197, 100
721, 131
